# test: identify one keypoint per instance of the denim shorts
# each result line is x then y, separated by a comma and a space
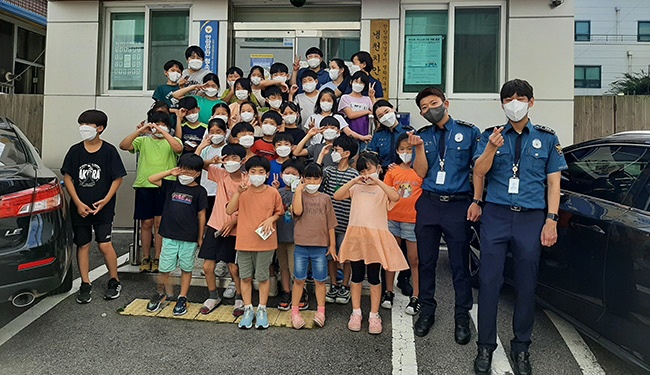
405, 231
318, 257
175, 252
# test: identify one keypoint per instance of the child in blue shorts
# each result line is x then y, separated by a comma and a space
181, 227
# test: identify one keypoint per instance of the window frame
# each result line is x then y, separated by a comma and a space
575, 31
638, 32
449, 61
118, 7
600, 79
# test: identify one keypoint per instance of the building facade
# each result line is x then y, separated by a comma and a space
109, 55
612, 37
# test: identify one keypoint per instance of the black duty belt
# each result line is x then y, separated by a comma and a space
446, 198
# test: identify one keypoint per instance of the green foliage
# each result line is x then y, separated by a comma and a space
632, 84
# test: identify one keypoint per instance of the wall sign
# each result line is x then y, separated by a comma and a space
265, 60
380, 51
423, 60
209, 41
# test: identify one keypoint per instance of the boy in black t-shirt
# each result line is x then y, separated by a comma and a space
181, 228
93, 171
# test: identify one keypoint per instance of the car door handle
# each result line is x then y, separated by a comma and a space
593, 227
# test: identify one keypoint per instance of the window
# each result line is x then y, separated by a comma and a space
476, 50
605, 172
131, 65
425, 47
643, 34
587, 77
583, 31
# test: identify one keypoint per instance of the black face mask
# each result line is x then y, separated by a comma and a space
434, 115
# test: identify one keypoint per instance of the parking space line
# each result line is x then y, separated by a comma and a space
47, 303
500, 362
404, 357
578, 347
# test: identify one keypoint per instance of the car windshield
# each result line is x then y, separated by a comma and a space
12, 150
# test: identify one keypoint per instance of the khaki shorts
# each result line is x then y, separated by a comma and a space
254, 262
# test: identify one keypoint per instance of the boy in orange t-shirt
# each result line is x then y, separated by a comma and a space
259, 207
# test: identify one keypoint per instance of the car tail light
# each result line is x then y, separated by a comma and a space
43, 198
38, 263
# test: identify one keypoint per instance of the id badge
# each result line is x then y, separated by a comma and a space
513, 186
440, 178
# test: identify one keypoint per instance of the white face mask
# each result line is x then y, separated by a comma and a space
334, 74
358, 87
256, 80
217, 138
195, 64
275, 104
268, 129
282, 79
354, 69
185, 179
87, 132
389, 119
336, 157
313, 62
406, 157
369, 181
164, 129
173, 76
246, 141
515, 110
326, 106
241, 94
223, 117
232, 166
330, 134
256, 179
312, 188
290, 119
309, 87
283, 151
231, 83
247, 116
192, 117
289, 179
211, 92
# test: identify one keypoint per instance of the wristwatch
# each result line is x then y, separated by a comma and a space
478, 202
553, 217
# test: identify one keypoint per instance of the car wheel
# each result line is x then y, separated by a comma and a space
66, 285
474, 256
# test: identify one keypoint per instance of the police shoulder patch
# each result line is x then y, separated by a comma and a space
544, 129
558, 148
465, 123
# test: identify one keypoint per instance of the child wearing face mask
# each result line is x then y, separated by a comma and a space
188, 127
222, 111
248, 113
210, 147
315, 240
291, 118
327, 105
220, 236
273, 98
306, 100
329, 131
206, 98
356, 106
165, 92
181, 228
232, 75
368, 244
388, 130
265, 146
401, 219
338, 72
243, 95
93, 172
259, 207
156, 153
283, 144
195, 72
242, 134
315, 64
256, 76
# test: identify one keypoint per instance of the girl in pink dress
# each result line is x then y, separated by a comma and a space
368, 244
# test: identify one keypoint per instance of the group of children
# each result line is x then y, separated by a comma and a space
243, 189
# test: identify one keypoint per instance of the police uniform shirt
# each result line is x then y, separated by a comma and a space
384, 142
461, 142
541, 155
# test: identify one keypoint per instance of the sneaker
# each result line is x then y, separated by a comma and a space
405, 287
156, 301
246, 321
239, 308
414, 306
319, 319
285, 302
209, 305
154, 265
387, 300
374, 325
354, 324
273, 290
261, 319
181, 306
330, 297
113, 290
145, 266
344, 295
221, 270
230, 291
297, 321
84, 295
304, 301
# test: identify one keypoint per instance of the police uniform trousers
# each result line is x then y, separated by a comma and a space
505, 229
436, 217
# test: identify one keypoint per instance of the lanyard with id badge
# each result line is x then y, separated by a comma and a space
513, 183
442, 154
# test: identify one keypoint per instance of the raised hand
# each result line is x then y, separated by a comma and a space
414, 140
496, 138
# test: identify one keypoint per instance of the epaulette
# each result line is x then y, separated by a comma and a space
544, 129
465, 123
408, 128
491, 128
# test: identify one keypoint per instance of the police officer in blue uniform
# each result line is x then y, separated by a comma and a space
443, 157
517, 159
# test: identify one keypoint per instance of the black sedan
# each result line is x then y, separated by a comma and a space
35, 232
597, 276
